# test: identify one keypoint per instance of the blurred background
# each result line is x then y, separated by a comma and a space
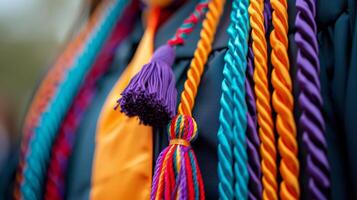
32, 33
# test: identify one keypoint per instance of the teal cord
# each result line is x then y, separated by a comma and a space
234, 108
239, 104
47, 128
225, 131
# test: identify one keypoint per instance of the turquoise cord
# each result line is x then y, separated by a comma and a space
234, 108
47, 128
225, 131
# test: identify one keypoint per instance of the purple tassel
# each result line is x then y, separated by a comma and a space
151, 94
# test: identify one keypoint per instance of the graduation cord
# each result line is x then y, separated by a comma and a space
225, 131
44, 135
232, 154
47, 90
265, 120
177, 174
63, 145
202, 51
253, 141
283, 102
311, 120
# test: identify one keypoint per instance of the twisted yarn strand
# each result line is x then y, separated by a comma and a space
283, 103
311, 120
225, 131
189, 23
215, 8
239, 36
265, 120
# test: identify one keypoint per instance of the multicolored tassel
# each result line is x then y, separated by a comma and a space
151, 94
177, 175
311, 120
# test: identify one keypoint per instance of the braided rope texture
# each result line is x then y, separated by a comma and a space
283, 102
204, 47
255, 186
45, 133
62, 148
225, 132
264, 110
49, 87
240, 35
311, 120
189, 24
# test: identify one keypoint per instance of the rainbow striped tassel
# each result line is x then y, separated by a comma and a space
177, 175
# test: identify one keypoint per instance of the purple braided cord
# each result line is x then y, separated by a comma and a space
311, 120
253, 141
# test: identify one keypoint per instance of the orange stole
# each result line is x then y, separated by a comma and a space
122, 165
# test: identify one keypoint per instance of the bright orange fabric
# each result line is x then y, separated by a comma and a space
122, 166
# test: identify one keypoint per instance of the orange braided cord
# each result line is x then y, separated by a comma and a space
283, 102
204, 47
261, 88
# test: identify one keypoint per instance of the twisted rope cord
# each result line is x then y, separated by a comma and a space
225, 131
37, 158
283, 103
48, 88
204, 47
311, 120
265, 120
253, 142
63, 145
189, 24
240, 36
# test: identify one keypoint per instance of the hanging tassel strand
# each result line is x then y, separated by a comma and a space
283, 103
151, 94
311, 120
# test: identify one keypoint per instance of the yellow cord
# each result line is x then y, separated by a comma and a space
204, 47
